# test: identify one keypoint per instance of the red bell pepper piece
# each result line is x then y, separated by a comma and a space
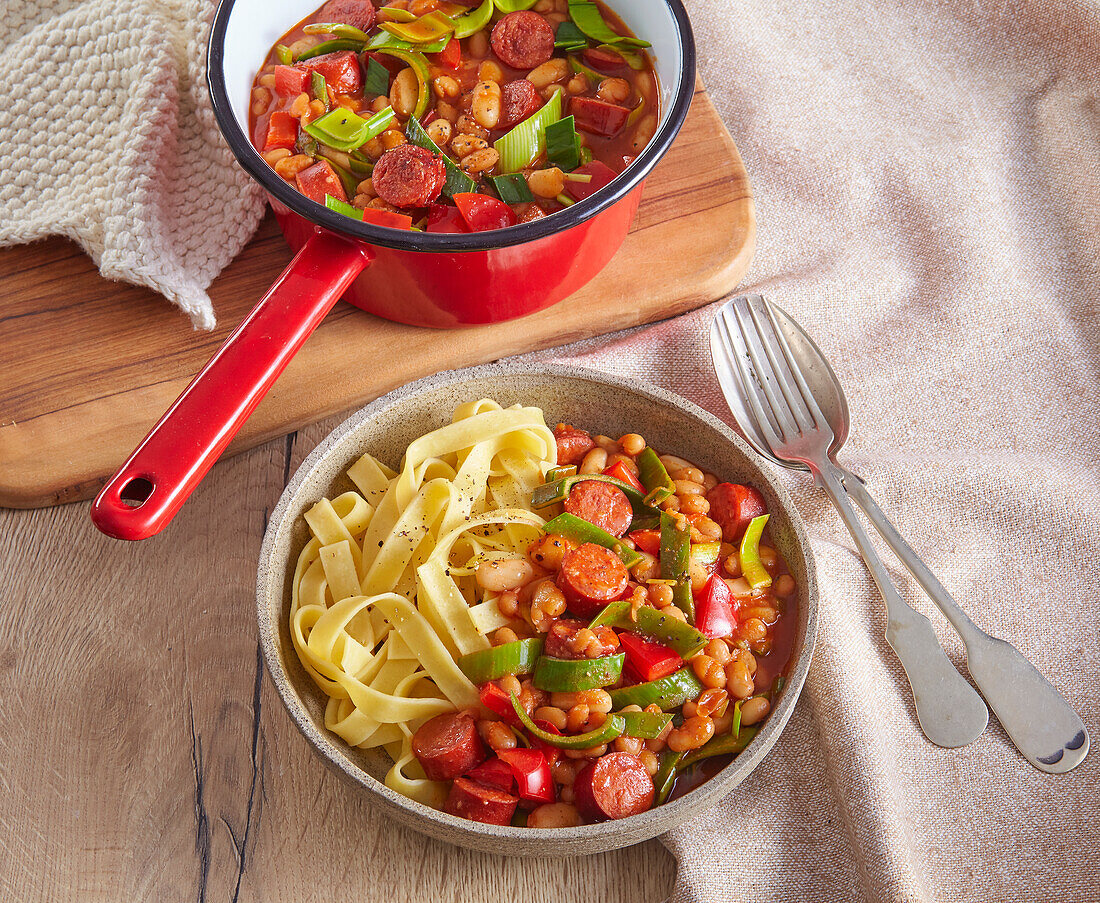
483, 213
446, 219
620, 471
647, 540
499, 703
494, 773
552, 753
341, 71
282, 131
532, 773
290, 81
321, 179
649, 660
601, 174
714, 612
387, 218
450, 57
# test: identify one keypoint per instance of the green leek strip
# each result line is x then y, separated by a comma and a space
560, 473
428, 29
675, 560
552, 492
583, 177
632, 57
725, 745
563, 675
377, 79
320, 88
523, 144
396, 15
345, 130
681, 638
384, 41
348, 179
705, 553
645, 725
636, 113
514, 6
563, 145
591, 74
340, 207
751, 567
473, 21
582, 531
586, 155
589, 20
665, 778
306, 144
510, 658
667, 692
569, 38
282, 52
611, 728
735, 727
419, 65
512, 188
654, 477
565, 200
350, 32
330, 47
457, 181
777, 685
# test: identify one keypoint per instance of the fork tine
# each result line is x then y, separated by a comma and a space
800, 378
779, 356
765, 371
736, 353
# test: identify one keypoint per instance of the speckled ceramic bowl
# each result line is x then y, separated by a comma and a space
601, 403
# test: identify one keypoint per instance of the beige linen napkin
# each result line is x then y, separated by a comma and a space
927, 178
107, 137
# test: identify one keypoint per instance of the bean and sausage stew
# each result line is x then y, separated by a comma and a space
452, 117
649, 629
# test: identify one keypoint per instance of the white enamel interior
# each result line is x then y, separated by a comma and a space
255, 25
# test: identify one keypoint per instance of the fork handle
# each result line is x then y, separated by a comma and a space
1036, 717
950, 712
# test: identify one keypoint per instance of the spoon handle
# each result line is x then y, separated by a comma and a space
1037, 718
950, 712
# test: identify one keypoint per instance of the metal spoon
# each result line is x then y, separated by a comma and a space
1036, 717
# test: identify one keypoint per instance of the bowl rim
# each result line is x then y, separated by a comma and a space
252, 163
584, 838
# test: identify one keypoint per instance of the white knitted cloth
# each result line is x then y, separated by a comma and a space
107, 137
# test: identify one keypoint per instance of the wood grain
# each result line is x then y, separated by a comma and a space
146, 755
88, 366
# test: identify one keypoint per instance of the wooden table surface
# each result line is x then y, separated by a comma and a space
146, 756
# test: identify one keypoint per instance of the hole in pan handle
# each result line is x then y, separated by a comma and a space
147, 491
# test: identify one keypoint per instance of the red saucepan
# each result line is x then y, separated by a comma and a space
425, 279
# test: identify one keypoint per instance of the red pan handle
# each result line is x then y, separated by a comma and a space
164, 470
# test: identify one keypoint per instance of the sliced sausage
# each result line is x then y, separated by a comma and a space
561, 641
495, 774
341, 70
518, 100
732, 506
614, 786
601, 504
523, 40
598, 117
409, 176
357, 13
604, 60
573, 444
590, 577
483, 804
448, 745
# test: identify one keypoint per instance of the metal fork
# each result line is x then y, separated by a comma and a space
949, 710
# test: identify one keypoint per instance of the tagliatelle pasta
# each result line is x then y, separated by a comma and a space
383, 596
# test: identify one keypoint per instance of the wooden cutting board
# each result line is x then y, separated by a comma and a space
87, 366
